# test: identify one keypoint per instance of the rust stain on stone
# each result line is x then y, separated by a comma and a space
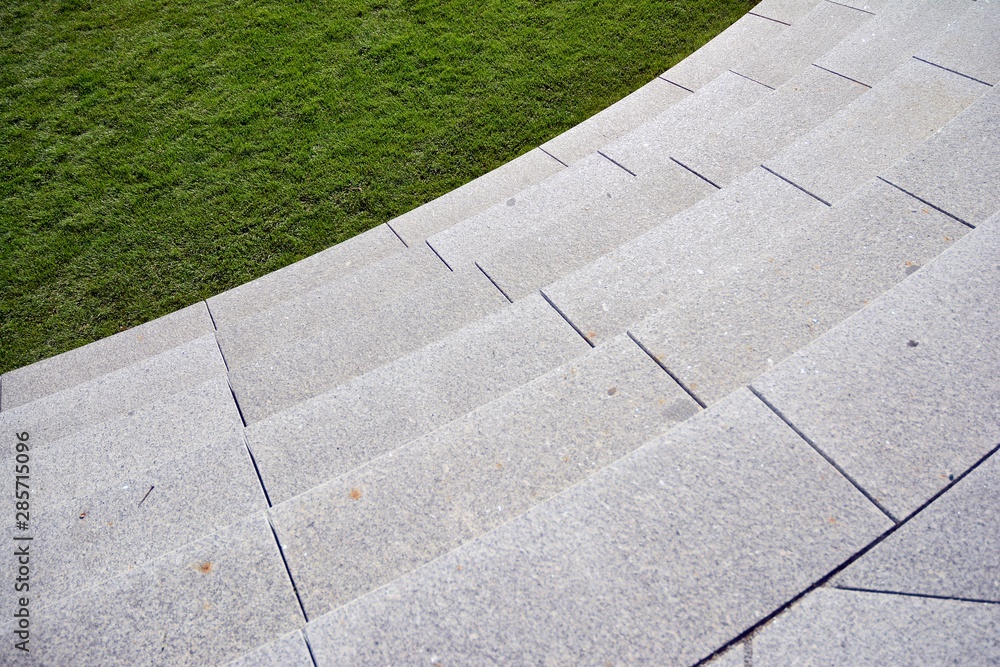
355, 494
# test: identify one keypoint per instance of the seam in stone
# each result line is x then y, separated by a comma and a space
924, 201
256, 468
490, 278
305, 639
863, 11
667, 371
553, 156
915, 595
405, 245
842, 76
760, 83
563, 315
953, 71
829, 459
616, 162
843, 566
796, 185
211, 316
237, 402
439, 256
288, 570
684, 166
674, 83
221, 353
761, 16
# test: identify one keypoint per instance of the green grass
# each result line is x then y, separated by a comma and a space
155, 153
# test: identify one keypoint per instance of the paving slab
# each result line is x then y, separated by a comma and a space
870, 134
312, 366
654, 270
799, 46
950, 549
620, 118
475, 474
289, 651
475, 196
305, 275
958, 169
748, 314
786, 11
660, 558
206, 603
92, 539
832, 627
97, 457
748, 34
109, 396
354, 296
757, 132
897, 32
734, 657
970, 45
372, 415
104, 356
907, 391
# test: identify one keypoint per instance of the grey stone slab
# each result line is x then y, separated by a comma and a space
305, 275
657, 268
748, 314
970, 44
479, 472
800, 45
958, 169
757, 132
475, 196
951, 549
109, 396
104, 356
89, 540
831, 627
620, 118
873, 6
354, 296
734, 657
571, 241
660, 558
906, 392
95, 458
370, 416
786, 11
748, 34
897, 32
875, 130
289, 651
695, 119
312, 366
206, 603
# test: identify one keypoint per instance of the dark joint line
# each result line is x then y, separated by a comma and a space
439, 256
615, 162
948, 69
863, 11
553, 156
674, 83
924, 201
819, 451
759, 83
221, 353
563, 315
238, 408
145, 496
796, 186
211, 316
761, 16
405, 244
288, 569
684, 166
915, 595
667, 371
841, 75
488, 277
309, 648
256, 468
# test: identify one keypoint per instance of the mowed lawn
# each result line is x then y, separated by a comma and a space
154, 153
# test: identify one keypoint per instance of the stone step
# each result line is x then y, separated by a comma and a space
347, 349
660, 558
358, 295
305, 275
446, 488
90, 540
114, 394
97, 457
206, 603
366, 418
738, 144
785, 11
926, 355
66, 370
970, 45
748, 314
288, 651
